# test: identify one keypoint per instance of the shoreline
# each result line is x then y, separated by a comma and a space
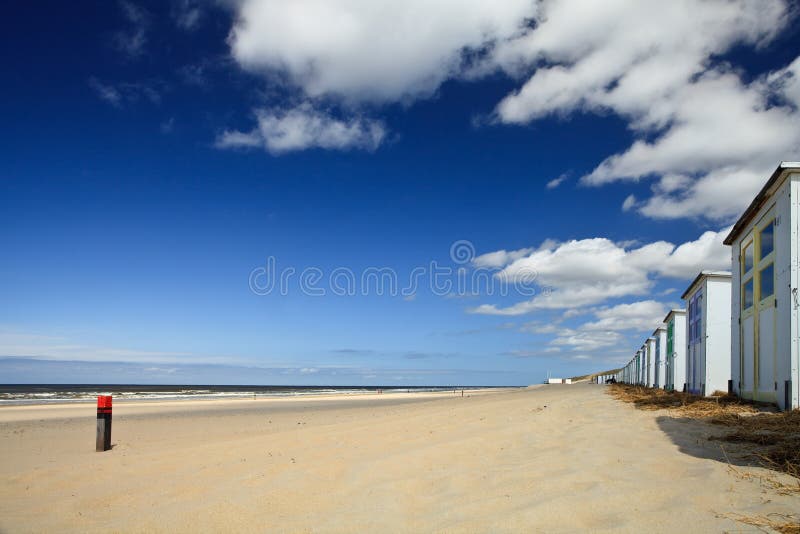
144, 396
126, 407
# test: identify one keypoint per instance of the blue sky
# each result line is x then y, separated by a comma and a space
156, 154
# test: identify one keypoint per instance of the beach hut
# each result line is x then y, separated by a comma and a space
708, 344
675, 360
765, 325
660, 338
651, 362
643, 365
640, 366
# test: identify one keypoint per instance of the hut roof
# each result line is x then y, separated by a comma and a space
758, 201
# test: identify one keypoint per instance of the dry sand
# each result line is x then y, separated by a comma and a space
488, 462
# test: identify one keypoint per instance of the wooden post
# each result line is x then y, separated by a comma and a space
103, 438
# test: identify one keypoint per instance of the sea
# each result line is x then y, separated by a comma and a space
16, 394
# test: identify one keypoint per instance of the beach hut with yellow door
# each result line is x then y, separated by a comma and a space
765, 325
675, 357
708, 327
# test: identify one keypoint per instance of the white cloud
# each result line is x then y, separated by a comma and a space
357, 52
302, 127
500, 258
722, 143
619, 53
119, 94
187, 14
235, 139
698, 127
603, 338
132, 40
368, 50
586, 341
629, 203
107, 92
709, 138
30, 345
642, 315
555, 182
590, 271
536, 327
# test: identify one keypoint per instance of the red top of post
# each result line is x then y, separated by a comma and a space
104, 401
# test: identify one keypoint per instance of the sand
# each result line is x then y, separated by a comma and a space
548, 459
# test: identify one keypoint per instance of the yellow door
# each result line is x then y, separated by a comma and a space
757, 330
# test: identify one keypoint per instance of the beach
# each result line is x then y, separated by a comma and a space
547, 458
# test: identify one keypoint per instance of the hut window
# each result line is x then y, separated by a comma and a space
747, 258
747, 294
695, 307
766, 280
766, 236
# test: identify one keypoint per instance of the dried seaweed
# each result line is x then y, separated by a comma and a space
785, 524
685, 404
774, 437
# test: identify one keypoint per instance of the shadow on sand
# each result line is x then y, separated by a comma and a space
697, 438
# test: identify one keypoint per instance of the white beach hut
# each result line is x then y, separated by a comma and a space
675, 361
660, 343
708, 344
641, 377
765, 323
651, 362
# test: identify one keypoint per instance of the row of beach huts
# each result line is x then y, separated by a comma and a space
740, 330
